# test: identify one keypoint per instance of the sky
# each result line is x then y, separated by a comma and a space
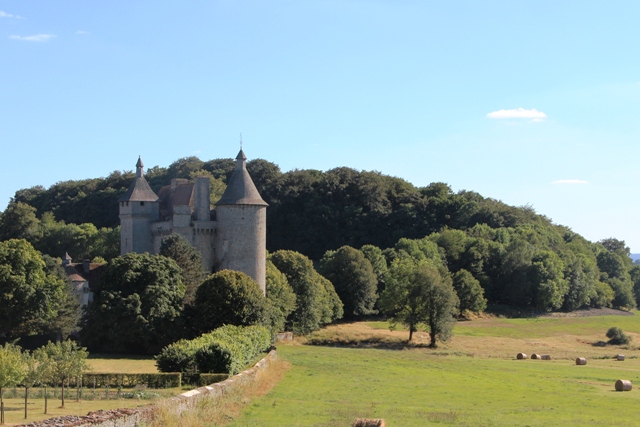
529, 102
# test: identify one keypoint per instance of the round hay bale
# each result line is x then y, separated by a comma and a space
623, 385
620, 357
365, 422
536, 356
581, 361
546, 357
521, 356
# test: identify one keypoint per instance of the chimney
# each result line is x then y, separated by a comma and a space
86, 265
202, 200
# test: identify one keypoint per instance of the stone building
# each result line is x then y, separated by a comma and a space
84, 277
232, 236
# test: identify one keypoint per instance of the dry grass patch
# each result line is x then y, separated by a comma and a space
220, 411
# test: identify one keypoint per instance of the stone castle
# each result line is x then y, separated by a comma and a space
232, 236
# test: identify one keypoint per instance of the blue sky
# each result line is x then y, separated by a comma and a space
529, 102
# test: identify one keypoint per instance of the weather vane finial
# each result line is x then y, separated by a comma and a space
241, 140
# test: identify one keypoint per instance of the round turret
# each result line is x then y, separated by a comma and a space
241, 242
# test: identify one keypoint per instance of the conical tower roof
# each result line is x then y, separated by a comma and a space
139, 190
241, 190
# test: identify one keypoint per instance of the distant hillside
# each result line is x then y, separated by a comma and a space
519, 257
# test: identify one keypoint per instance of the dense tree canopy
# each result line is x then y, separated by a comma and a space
189, 260
507, 249
30, 297
229, 298
418, 293
353, 278
316, 300
138, 306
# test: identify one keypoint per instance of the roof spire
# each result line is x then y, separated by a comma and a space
139, 168
240, 141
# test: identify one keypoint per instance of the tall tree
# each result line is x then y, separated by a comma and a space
18, 221
30, 298
316, 300
281, 295
189, 260
229, 298
138, 307
417, 293
353, 278
469, 292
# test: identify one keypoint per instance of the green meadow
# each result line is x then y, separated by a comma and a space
484, 386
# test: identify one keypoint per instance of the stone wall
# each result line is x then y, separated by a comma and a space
133, 417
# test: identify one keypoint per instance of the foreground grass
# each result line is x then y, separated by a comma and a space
472, 380
332, 386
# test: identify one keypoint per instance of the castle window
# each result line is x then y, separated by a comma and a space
141, 203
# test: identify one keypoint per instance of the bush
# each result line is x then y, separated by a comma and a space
227, 349
616, 336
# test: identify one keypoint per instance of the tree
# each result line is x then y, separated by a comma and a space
549, 284
353, 278
469, 292
29, 297
68, 360
69, 313
189, 260
378, 262
11, 370
229, 298
281, 295
316, 300
138, 307
44, 371
37, 368
417, 293
18, 221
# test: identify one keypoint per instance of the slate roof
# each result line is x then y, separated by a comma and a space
139, 191
180, 194
241, 190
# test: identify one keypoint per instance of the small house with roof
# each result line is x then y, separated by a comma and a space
84, 277
230, 236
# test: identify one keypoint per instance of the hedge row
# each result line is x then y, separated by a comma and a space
117, 380
227, 349
200, 380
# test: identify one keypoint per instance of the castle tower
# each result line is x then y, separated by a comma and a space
241, 243
139, 207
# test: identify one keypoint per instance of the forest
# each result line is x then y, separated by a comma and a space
493, 253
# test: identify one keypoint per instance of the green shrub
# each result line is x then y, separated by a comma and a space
616, 336
227, 349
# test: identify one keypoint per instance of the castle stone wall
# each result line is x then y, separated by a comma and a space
241, 240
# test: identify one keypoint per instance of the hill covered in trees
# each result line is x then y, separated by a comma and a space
519, 257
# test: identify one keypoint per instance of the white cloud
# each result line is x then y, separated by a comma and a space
82, 33
570, 181
34, 38
518, 113
4, 14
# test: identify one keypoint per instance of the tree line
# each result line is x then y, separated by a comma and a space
341, 237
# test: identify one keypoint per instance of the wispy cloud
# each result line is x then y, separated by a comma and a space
518, 113
4, 14
570, 181
34, 38
82, 33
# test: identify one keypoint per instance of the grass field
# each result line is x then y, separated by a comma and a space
473, 380
107, 363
